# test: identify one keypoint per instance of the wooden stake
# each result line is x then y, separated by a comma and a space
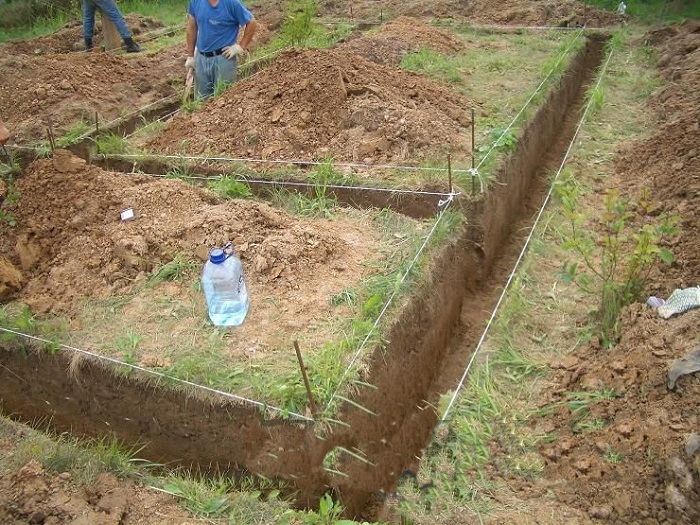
449, 172
312, 403
49, 132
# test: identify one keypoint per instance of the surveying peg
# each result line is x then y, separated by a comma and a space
449, 172
312, 403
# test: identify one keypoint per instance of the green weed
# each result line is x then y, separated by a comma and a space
230, 187
175, 270
112, 144
615, 251
74, 133
613, 457
433, 64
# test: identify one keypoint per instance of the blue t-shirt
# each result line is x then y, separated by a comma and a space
218, 26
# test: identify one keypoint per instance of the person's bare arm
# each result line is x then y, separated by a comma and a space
248, 33
191, 35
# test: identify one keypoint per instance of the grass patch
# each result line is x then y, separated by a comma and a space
653, 11
30, 19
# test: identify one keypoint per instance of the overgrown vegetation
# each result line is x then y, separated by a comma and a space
653, 11
615, 250
33, 18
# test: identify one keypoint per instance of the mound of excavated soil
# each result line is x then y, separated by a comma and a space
323, 103
33, 495
655, 480
511, 12
403, 35
70, 37
69, 240
669, 161
66, 88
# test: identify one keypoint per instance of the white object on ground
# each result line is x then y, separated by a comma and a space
681, 300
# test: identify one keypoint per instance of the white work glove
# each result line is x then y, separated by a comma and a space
189, 63
233, 51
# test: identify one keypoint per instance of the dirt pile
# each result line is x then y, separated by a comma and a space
627, 460
403, 35
639, 434
33, 495
510, 12
69, 237
70, 37
67, 88
323, 103
670, 160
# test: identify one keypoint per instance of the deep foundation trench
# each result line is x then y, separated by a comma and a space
427, 348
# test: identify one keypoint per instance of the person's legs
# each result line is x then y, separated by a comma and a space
111, 11
226, 70
88, 22
204, 75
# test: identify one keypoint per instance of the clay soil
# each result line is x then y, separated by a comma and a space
514, 12
32, 495
401, 36
649, 424
69, 240
62, 248
70, 38
68, 88
316, 104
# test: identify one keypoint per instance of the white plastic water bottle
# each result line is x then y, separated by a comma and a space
224, 288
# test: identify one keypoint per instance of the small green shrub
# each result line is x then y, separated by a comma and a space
231, 188
615, 251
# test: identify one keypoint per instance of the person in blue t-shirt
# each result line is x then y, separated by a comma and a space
212, 51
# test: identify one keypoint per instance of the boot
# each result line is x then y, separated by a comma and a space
131, 46
88, 44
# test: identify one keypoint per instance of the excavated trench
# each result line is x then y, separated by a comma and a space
427, 347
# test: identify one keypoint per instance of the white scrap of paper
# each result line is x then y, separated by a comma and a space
127, 214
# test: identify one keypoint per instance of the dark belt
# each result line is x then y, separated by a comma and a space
213, 53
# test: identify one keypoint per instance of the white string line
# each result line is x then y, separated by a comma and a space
160, 374
551, 71
536, 28
446, 205
304, 184
525, 246
156, 156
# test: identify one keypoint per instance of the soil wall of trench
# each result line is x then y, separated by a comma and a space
86, 398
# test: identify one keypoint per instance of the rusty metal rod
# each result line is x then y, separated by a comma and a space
312, 403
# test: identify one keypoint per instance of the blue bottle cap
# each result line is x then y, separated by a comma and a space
217, 256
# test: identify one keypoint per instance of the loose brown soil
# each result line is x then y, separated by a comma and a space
404, 35
32, 495
648, 425
513, 12
70, 38
70, 245
67, 88
324, 103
